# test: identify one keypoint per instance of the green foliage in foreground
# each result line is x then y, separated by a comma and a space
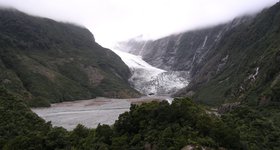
21, 129
173, 126
158, 125
259, 128
147, 126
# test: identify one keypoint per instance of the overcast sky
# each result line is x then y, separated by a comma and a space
116, 20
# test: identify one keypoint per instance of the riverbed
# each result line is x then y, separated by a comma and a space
90, 112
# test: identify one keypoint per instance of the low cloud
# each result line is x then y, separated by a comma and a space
116, 20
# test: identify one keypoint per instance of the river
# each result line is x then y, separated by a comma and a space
145, 78
90, 112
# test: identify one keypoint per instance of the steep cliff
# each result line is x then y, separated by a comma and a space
245, 64
46, 61
237, 61
182, 51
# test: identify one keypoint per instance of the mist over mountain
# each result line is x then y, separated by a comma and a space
229, 62
113, 21
225, 79
46, 61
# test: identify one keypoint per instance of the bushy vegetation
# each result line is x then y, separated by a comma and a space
37, 65
148, 126
17, 121
173, 126
258, 128
154, 124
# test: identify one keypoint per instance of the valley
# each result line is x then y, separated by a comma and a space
155, 83
92, 112
210, 87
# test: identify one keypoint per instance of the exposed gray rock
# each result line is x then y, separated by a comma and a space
228, 107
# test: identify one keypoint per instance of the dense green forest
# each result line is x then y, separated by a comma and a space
155, 125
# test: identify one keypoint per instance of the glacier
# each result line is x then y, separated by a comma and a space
150, 80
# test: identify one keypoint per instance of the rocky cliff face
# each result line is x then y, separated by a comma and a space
229, 62
182, 51
46, 61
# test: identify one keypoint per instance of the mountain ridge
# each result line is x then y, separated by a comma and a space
46, 61
214, 52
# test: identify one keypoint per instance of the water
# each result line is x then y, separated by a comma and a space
90, 112
145, 78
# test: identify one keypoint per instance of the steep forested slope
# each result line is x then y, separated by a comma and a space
17, 120
245, 65
230, 62
43, 60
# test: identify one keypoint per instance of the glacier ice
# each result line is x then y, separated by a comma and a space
150, 80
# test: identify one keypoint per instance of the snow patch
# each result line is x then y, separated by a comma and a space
253, 76
205, 40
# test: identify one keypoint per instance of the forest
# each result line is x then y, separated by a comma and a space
155, 125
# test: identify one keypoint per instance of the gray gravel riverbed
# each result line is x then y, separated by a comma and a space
89, 112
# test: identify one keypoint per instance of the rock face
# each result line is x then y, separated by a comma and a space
228, 107
229, 62
46, 61
183, 51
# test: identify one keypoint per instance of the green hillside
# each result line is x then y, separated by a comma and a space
46, 61
244, 66
43, 62
234, 61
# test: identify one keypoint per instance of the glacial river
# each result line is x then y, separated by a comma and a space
145, 78
89, 112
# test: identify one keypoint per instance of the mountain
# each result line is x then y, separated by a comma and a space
236, 61
40, 58
181, 51
46, 61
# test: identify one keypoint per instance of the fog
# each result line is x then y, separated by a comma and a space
117, 20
